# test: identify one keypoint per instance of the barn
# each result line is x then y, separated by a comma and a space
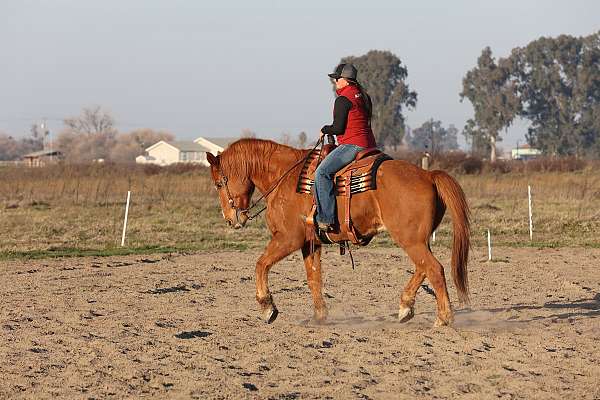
42, 157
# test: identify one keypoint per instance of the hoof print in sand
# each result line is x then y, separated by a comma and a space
173, 289
250, 387
193, 334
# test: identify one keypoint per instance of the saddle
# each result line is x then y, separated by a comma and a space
357, 177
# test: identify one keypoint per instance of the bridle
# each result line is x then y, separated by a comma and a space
238, 211
244, 211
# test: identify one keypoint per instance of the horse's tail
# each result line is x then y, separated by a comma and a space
453, 197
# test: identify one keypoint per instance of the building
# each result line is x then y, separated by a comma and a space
525, 152
42, 157
166, 153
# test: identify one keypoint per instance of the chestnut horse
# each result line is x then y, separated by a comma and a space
409, 203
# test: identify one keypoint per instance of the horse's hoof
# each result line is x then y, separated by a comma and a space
320, 318
271, 315
440, 322
405, 313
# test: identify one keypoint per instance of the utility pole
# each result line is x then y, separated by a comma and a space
46, 142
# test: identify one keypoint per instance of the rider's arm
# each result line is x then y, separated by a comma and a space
341, 107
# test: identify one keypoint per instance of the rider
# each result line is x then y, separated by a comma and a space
352, 112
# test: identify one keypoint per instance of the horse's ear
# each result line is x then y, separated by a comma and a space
212, 160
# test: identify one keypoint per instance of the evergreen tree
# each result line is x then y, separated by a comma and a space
383, 75
494, 98
559, 86
433, 137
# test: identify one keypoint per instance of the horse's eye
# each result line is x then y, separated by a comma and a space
218, 185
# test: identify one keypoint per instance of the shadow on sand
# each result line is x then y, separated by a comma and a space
582, 308
485, 317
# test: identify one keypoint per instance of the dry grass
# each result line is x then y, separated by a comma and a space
68, 210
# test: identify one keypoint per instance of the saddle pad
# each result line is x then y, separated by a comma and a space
362, 174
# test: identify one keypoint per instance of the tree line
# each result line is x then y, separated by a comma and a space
88, 137
553, 83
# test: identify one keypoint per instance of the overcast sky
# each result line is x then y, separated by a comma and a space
199, 68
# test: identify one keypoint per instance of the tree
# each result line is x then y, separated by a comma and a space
285, 138
433, 137
383, 75
302, 139
130, 145
248, 133
88, 137
558, 81
12, 149
477, 139
494, 97
92, 120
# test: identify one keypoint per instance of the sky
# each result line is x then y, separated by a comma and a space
212, 69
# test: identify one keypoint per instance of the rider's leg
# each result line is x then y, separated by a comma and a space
324, 186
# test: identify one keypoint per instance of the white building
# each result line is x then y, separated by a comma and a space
166, 153
525, 152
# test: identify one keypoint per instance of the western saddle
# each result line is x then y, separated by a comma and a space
357, 177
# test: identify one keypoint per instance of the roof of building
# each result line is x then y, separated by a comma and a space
42, 153
188, 146
223, 142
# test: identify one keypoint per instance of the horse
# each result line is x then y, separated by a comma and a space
409, 203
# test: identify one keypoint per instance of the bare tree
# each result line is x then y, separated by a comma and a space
302, 139
13, 149
130, 145
248, 133
92, 120
286, 138
88, 137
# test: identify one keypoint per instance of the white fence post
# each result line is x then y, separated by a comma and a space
125, 221
489, 237
530, 213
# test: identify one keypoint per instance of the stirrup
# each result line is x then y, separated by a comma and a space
326, 227
310, 218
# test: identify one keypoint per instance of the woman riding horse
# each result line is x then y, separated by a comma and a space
352, 112
409, 203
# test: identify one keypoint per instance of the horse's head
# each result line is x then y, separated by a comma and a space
234, 192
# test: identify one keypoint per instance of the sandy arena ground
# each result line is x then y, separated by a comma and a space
187, 326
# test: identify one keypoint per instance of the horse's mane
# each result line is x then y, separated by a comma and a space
251, 156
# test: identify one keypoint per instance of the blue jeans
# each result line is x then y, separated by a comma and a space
343, 155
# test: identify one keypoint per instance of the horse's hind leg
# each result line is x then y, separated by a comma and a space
424, 261
275, 251
407, 299
312, 263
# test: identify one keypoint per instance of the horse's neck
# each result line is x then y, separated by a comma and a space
273, 168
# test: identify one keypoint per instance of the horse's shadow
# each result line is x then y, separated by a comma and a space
582, 308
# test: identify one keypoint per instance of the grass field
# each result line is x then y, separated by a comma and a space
76, 211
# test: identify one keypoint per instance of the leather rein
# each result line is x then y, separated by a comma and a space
239, 211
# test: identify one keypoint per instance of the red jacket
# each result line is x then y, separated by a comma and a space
358, 129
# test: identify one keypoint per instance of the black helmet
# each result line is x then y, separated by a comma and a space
347, 71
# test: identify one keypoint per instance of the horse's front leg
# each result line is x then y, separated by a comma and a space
312, 263
276, 250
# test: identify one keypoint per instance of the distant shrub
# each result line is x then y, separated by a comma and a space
459, 162
472, 166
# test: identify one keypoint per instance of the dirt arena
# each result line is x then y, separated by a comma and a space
187, 326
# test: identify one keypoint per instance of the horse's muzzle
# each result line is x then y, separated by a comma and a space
240, 223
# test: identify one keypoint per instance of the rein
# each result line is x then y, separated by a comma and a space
239, 211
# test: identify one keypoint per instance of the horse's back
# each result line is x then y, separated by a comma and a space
402, 175
405, 194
